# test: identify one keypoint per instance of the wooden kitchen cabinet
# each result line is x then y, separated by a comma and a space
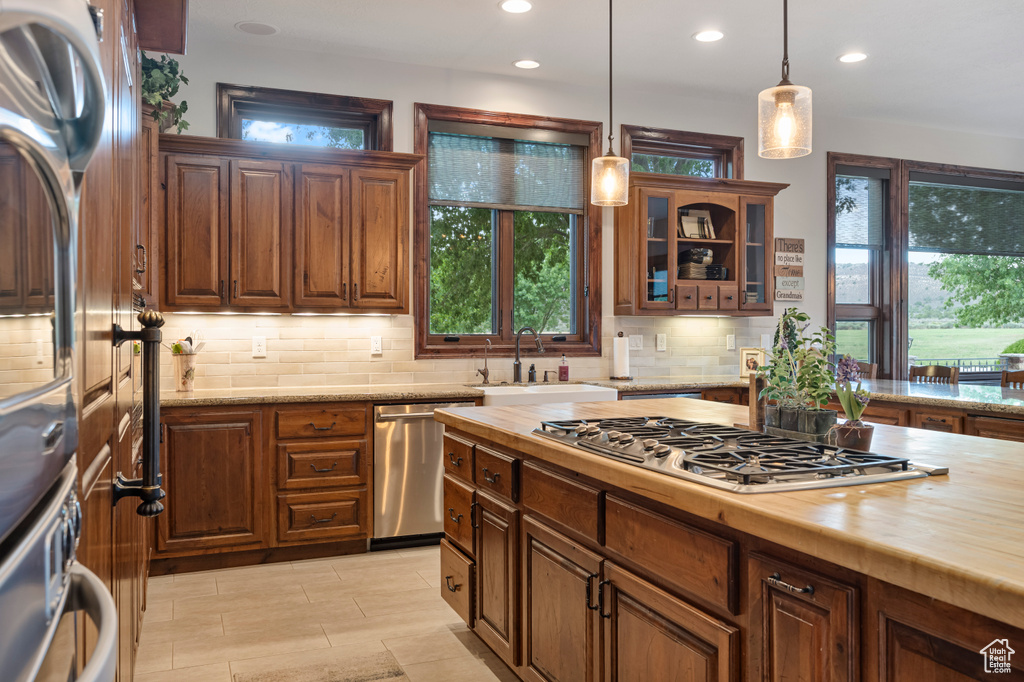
650, 634
497, 576
214, 478
561, 624
147, 231
380, 240
995, 427
803, 625
260, 233
322, 245
933, 420
650, 246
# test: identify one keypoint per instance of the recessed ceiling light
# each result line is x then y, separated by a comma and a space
526, 64
851, 57
708, 36
515, 6
256, 28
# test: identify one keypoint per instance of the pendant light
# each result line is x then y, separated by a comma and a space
784, 112
609, 174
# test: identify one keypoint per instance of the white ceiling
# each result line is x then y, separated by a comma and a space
951, 64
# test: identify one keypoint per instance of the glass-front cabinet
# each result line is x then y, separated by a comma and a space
694, 246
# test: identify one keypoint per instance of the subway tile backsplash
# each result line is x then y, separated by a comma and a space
335, 351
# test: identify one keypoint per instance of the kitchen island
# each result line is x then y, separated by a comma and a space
567, 562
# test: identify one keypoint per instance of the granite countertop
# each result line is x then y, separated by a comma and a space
964, 396
318, 394
957, 538
680, 384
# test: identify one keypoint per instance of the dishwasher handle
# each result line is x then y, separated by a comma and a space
89, 594
399, 417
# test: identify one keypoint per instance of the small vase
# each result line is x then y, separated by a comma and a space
855, 437
185, 372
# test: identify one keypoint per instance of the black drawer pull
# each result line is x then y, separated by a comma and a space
456, 462
933, 419
590, 579
688, 297
489, 479
775, 580
452, 586
323, 471
314, 520
323, 428
451, 515
708, 297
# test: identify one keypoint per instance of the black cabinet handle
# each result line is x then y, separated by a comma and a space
344, 291
493, 480
671, 295
775, 580
933, 419
592, 607
323, 428
452, 587
323, 471
600, 598
355, 291
145, 259
456, 462
708, 297
688, 297
314, 520
472, 515
451, 515
236, 288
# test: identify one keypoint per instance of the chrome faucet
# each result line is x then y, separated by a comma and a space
517, 366
485, 373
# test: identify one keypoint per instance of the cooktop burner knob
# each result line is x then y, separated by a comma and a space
614, 435
581, 429
649, 443
661, 450
593, 430
626, 438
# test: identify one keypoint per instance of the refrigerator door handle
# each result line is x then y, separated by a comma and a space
89, 594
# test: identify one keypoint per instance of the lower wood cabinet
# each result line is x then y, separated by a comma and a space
803, 625
318, 516
213, 476
650, 634
457, 581
937, 421
994, 427
497, 576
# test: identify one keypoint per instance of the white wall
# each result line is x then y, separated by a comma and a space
799, 210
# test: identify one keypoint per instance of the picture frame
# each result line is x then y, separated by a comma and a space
748, 356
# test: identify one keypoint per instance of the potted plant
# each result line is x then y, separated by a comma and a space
814, 380
780, 374
854, 433
160, 82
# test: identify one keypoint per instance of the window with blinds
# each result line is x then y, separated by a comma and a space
862, 198
966, 219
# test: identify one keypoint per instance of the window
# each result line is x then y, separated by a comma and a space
676, 152
306, 118
505, 232
924, 262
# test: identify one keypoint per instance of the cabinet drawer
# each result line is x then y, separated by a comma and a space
698, 563
996, 427
458, 514
322, 464
457, 582
883, 415
728, 297
335, 515
497, 473
686, 297
721, 395
458, 458
938, 421
562, 500
707, 297
323, 423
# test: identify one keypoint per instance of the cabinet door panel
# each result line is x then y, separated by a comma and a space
497, 552
937, 421
213, 475
322, 237
808, 634
996, 427
560, 630
380, 240
651, 635
197, 231
146, 258
261, 233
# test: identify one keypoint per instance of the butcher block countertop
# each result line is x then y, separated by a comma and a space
956, 538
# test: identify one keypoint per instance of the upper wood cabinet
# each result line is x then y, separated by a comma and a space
652, 250
284, 228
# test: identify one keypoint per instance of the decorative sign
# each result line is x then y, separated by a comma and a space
789, 295
786, 245
789, 259
789, 283
789, 271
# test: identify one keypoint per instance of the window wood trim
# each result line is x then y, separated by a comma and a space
589, 311
723, 149
373, 115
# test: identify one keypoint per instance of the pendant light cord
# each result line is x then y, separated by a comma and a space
785, 41
611, 130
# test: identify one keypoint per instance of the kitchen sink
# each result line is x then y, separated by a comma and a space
546, 393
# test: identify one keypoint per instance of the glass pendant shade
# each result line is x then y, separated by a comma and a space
609, 181
784, 122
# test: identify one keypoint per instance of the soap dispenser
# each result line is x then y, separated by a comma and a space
563, 369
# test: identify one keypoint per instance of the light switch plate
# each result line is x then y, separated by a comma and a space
730, 342
661, 341
376, 348
259, 346
636, 342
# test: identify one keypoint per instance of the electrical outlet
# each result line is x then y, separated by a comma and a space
661, 342
259, 346
376, 348
636, 342
730, 342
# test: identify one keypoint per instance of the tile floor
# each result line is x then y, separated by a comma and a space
246, 623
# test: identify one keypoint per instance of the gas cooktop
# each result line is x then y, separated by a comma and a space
727, 457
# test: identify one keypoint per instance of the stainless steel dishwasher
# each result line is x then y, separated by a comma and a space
407, 473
